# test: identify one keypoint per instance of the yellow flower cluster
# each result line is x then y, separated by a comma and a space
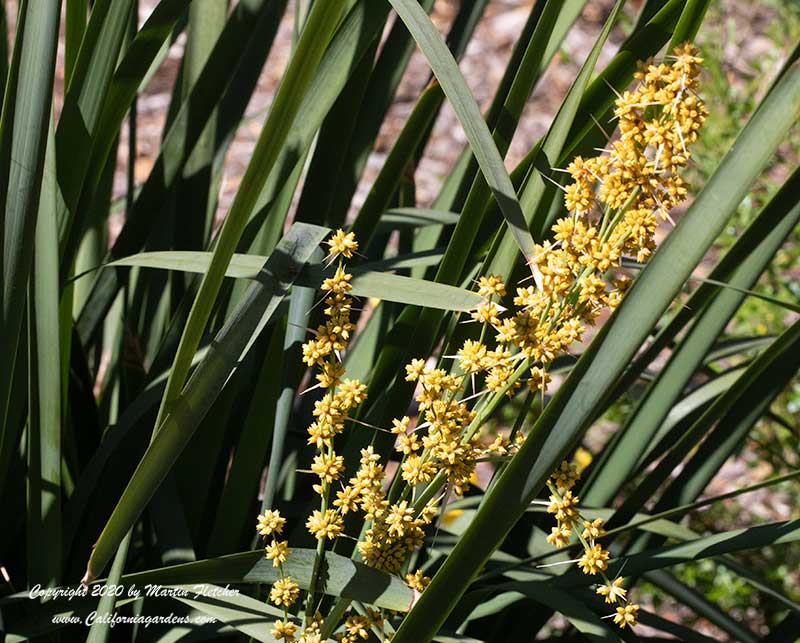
342, 394
564, 507
614, 202
638, 178
395, 528
396, 531
330, 413
439, 444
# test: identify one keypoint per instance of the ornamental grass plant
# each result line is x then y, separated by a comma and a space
311, 416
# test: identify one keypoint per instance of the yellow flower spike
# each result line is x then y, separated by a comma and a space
342, 243
615, 201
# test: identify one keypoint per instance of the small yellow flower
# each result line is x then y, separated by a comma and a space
594, 560
328, 467
357, 626
487, 312
283, 630
450, 516
310, 636
582, 459
339, 283
565, 476
401, 425
342, 244
328, 410
491, 285
499, 446
406, 443
314, 352
328, 525
613, 591
506, 331
417, 580
284, 591
593, 530
400, 516
331, 374
472, 356
414, 370
626, 616
563, 507
320, 434
559, 536
539, 380
352, 393
416, 471
347, 499
277, 551
270, 522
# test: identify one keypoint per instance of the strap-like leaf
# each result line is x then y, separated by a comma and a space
344, 577
235, 338
455, 88
366, 283
23, 138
